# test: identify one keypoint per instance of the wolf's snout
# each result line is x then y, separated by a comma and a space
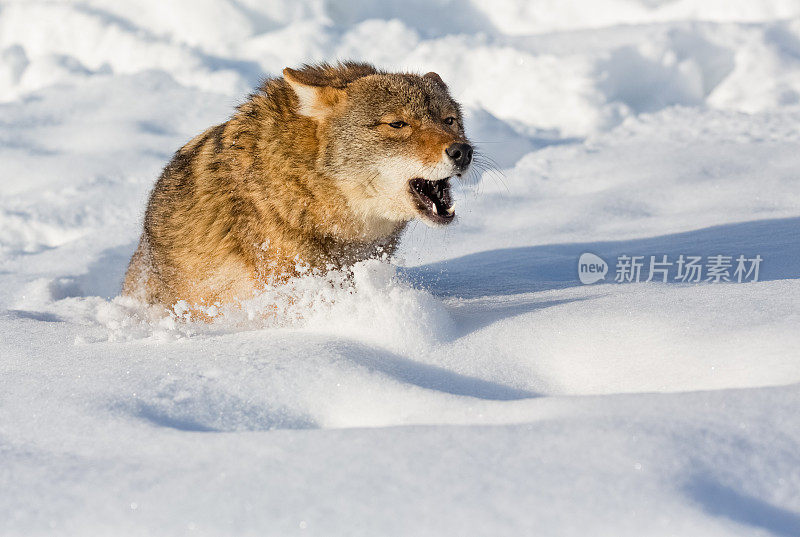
460, 153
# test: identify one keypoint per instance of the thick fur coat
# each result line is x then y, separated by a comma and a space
325, 165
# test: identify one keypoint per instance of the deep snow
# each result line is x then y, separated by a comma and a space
476, 388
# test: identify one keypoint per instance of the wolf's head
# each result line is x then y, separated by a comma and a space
393, 141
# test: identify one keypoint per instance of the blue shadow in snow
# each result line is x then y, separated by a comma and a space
470, 320
512, 271
35, 315
428, 376
211, 414
181, 424
103, 277
722, 501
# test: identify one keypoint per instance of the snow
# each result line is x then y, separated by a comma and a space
473, 387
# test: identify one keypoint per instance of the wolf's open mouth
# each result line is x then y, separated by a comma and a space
433, 199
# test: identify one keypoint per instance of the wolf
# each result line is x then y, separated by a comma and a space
324, 166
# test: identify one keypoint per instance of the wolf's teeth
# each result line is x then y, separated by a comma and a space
451, 209
435, 211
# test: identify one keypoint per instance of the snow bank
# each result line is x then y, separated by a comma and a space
642, 55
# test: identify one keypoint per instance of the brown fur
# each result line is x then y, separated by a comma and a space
307, 169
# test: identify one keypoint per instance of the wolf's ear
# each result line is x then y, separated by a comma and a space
435, 78
316, 101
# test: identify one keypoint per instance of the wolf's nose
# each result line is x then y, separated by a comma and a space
460, 153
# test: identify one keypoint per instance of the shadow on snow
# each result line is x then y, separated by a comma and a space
511, 271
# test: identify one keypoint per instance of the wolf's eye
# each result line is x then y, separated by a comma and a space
398, 124
449, 120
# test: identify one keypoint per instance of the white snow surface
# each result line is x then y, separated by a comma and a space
471, 387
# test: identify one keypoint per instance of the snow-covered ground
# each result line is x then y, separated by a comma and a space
478, 388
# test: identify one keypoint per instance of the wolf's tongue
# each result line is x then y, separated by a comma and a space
434, 197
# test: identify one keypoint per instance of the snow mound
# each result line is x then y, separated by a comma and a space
369, 301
